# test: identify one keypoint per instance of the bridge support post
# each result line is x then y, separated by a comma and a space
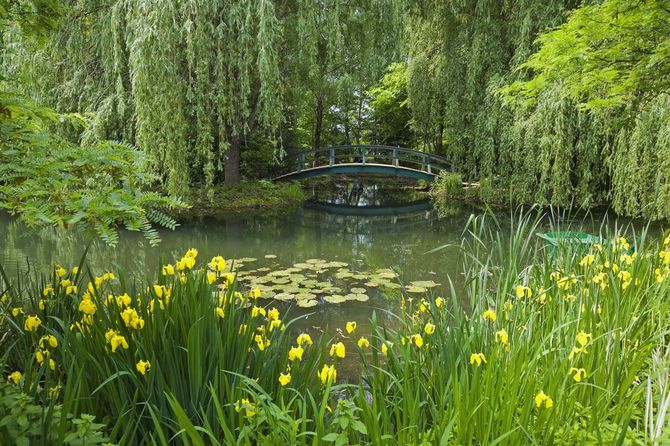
364, 151
331, 157
430, 170
395, 157
301, 162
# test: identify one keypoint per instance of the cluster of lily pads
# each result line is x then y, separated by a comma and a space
317, 281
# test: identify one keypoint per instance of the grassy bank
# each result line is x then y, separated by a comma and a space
449, 185
569, 347
262, 196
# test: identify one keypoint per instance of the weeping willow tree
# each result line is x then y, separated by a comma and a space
47, 180
460, 53
589, 119
610, 64
190, 81
343, 47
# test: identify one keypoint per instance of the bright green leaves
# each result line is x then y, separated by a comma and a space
390, 110
50, 182
60, 187
607, 55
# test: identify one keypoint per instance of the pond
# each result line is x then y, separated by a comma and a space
337, 259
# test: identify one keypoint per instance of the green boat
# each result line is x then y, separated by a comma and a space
580, 239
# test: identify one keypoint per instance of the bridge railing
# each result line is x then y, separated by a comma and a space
367, 154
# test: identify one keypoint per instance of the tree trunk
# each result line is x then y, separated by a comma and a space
319, 122
232, 164
438, 142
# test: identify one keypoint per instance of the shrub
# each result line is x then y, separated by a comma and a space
448, 184
25, 423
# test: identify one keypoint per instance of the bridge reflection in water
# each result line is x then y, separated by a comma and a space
364, 205
370, 211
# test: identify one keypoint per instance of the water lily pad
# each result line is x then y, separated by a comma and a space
357, 296
313, 261
280, 280
247, 259
284, 296
293, 270
391, 285
323, 284
262, 270
386, 275
304, 296
358, 290
332, 290
307, 303
415, 289
335, 299
343, 275
359, 276
372, 284
302, 265
424, 283
335, 265
270, 256
279, 272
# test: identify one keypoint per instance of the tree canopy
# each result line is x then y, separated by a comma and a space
193, 82
562, 102
50, 181
607, 55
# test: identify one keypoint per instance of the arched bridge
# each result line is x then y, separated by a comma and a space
363, 160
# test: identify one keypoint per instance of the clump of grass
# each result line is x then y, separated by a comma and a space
549, 348
447, 184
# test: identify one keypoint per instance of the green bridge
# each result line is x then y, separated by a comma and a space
363, 160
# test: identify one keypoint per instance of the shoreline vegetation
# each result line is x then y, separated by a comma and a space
565, 346
253, 197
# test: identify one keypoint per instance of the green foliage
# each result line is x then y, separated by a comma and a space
50, 182
587, 123
193, 82
25, 423
610, 54
447, 184
246, 197
343, 48
390, 111
591, 122
184, 371
349, 427
460, 53
30, 18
